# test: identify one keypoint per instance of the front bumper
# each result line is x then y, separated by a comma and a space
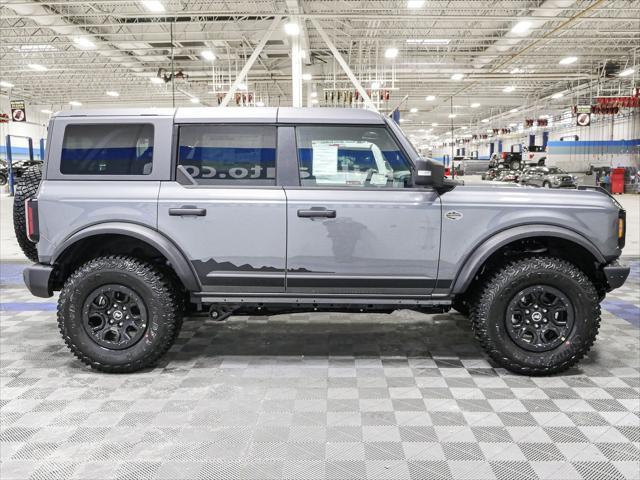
616, 274
37, 278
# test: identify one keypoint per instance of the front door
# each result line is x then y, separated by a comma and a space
355, 226
224, 209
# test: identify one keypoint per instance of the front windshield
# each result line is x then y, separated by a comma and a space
554, 170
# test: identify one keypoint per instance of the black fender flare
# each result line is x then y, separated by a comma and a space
486, 248
181, 266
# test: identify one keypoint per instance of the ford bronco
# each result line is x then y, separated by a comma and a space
141, 216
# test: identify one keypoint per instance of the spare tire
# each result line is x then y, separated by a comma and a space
26, 188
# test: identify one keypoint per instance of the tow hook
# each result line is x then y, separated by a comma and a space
220, 312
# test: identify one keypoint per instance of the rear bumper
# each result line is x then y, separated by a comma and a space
37, 278
616, 274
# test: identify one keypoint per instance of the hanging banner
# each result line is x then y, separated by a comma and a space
583, 109
18, 111
584, 119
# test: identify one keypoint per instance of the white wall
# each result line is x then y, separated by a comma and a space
35, 127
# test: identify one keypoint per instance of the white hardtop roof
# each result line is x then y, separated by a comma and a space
315, 115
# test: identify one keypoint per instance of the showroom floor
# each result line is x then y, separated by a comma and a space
315, 396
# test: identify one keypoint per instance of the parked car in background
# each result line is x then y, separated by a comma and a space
508, 176
534, 154
18, 168
548, 177
512, 160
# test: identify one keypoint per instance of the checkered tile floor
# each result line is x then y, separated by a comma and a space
335, 396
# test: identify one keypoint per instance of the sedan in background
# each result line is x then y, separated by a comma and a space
548, 177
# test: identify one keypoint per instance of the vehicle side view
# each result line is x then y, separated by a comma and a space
548, 177
143, 216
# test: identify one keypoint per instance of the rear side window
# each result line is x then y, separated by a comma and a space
228, 155
104, 149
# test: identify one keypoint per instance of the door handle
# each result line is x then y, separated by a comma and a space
317, 213
187, 210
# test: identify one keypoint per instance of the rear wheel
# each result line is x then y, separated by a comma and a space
546, 185
26, 188
3, 179
119, 314
537, 316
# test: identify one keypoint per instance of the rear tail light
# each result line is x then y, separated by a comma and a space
31, 212
622, 228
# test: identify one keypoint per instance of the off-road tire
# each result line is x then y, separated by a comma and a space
514, 165
25, 188
488, 314
161, 299
546, 185
3, 179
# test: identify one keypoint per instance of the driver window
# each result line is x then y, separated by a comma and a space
346, 156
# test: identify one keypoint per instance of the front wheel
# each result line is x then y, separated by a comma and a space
537, 316
119, 314
546, 185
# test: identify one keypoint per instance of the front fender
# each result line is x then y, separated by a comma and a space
172, 253
486, 248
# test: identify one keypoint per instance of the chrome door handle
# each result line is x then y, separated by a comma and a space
187, 210
317, 213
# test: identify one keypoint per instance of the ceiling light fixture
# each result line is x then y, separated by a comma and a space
37, 67
46, 112
314, 101
112, 93
453, 115
156, 80
428, 41
430, 98
154, 6
306, 77
208, 55
627, 72
375, 85
391, 52
509, 89
413, 4
259, 103
557, 95
568, 60
75, 103
84, 43
242, 86
434, 124
474, 105
314, 94
292, 29
513, 110
516, 70
194, 100
485, 120
413, 110
5, 84
521, 27
457, 76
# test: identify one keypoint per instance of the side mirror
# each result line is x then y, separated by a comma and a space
428, 173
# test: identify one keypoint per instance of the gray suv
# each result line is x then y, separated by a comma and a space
548, 177
142, 216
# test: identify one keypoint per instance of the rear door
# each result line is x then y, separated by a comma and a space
355, 226
223, 208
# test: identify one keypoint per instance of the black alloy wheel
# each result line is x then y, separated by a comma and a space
114, 316
539, 318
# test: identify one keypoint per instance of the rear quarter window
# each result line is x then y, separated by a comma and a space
107, 149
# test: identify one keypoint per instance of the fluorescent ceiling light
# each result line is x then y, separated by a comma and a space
37, 67
516, 71
242, 86
434, 124
568, 60
391, 52
457, 76
194, 100
6, 84
45, 111
259, 103
75, 103
521, 27
557, 95
208, 55
413, 110
314, 101
474, 105
292, 29
627, 72
453, 115
375, 85
508, 89
428, 41
155, 6
84, 43
430, 98
401, 120
306, 77
35, 48
314, 94
156, 80
485, 120
415, 3
112, 93
513, 110
463, 128
513, 124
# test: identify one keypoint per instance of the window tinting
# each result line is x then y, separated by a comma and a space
228, 155
104, 149
351, 157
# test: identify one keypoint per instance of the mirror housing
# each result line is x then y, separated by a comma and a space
428, 173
